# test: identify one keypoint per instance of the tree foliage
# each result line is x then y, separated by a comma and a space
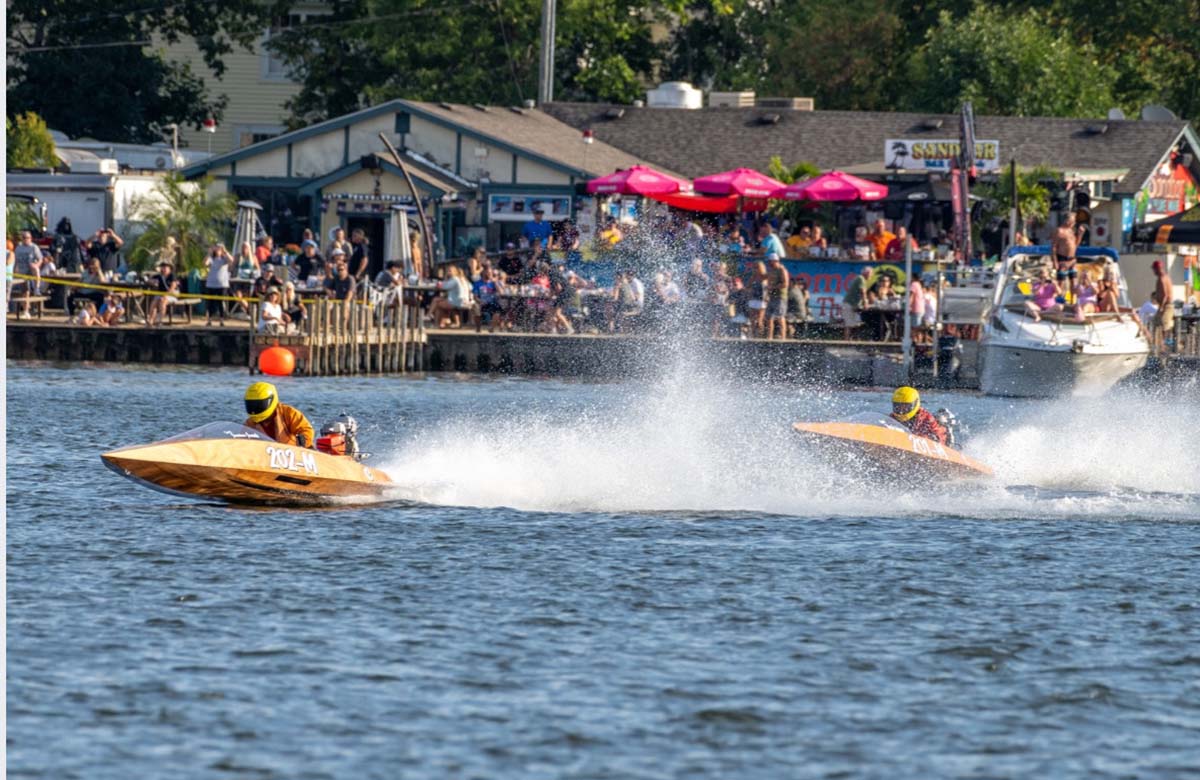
186, 211
89, 69
1033, 194
790, 210
28, 143
1010, 64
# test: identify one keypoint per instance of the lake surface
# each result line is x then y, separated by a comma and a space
650, 580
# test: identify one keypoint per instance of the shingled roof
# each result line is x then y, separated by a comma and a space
535, 131
696, 142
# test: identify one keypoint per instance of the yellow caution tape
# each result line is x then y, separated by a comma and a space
189, 296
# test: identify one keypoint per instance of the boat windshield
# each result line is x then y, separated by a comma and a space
875, 418
219, 430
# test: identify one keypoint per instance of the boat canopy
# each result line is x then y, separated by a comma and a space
219, 430
1083, 251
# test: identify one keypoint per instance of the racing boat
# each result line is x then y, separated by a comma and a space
878, 443
226, 461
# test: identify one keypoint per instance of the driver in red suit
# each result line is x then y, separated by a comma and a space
906, 408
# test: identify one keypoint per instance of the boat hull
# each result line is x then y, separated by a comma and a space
893, 451
1029, 372
247, 471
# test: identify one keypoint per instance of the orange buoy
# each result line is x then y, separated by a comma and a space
277, 361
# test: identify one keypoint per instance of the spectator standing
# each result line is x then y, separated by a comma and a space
854, 300
360, 257
67, 247
537, 232
1164, 296
418, 254
247, 264
880, 237
777, 302
106, 247
798, 303
219, 264
756, 301
768, 242
28, 261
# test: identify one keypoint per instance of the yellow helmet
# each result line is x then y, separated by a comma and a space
906, 402
261, 401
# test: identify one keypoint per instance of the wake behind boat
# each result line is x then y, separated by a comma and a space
879, 443
229, 462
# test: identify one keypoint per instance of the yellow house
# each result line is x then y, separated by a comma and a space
256, 83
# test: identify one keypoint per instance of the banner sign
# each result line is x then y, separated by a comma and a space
520, 208
937, 154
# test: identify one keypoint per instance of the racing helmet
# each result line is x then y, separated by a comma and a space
906, 402
261, 401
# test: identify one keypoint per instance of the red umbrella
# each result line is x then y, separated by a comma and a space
834, 185
743, 182
637, 180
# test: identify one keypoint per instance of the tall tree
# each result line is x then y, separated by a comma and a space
28, 143
1010, 63
89, 69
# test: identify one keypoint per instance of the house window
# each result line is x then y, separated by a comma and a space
252, 134
273, 66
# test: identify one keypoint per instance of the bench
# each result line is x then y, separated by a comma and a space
33, 302
185, 304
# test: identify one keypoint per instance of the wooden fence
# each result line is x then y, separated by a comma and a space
348, 337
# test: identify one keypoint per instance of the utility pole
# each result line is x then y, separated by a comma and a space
546, 64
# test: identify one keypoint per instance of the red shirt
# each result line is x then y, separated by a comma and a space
925, 424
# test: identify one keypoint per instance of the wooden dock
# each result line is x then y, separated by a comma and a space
349, 337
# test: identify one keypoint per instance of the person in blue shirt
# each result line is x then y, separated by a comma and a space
537, 232
769, 243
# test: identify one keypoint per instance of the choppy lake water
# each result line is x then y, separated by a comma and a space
603, 581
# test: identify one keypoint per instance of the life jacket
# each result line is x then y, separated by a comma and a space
925, 424
288, 423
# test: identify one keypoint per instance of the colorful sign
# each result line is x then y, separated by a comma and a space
1170, 190
520, 208
937, 154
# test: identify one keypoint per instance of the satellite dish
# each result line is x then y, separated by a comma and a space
1158, 114
1116, 114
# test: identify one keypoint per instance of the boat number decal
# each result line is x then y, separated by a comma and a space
285, 460
923, 446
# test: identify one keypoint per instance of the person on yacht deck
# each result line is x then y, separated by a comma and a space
1045, 294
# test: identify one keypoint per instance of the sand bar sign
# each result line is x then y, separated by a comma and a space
937, 154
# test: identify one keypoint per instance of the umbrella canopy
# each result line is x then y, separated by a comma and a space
637, 180
834, 185
1181, 228
743, 182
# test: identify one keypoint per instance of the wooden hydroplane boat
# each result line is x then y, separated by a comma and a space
229, 462
881, 444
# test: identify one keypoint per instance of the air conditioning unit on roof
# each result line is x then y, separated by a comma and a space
743, 99
789, 104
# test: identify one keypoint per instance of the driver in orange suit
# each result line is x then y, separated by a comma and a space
281, 422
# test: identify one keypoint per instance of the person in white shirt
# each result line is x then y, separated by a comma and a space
271, 318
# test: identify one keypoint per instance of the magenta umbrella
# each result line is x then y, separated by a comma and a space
834, 185
743, 182
637, 180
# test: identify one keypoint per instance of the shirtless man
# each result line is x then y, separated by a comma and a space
1063, 244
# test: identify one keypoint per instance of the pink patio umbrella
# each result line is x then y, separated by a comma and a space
743, 182
834, 185
637, 180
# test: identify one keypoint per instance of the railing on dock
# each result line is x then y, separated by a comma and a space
348, 337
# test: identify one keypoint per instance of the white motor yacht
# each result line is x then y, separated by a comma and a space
1062, 353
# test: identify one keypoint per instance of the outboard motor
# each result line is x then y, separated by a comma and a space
955, 431
340, 437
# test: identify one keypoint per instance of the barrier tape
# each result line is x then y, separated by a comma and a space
189, 296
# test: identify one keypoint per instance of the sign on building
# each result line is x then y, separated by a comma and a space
937, 154
520, 208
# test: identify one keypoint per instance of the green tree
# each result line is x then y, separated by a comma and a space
1009, 63
28, 142
186, 211
89, 68
791, 210
1033, 194
466, 52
